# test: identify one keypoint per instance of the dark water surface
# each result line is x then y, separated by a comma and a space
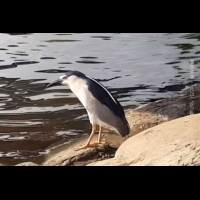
137, 68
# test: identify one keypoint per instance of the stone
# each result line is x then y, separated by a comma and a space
28, 164
173, 143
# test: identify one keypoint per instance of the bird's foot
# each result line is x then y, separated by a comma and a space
84, 147
97, 143
94, 144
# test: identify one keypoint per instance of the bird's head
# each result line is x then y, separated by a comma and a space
67, 78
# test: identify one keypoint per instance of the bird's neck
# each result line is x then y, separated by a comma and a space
79, 88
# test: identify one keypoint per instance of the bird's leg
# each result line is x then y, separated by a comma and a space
99, 137
89, 139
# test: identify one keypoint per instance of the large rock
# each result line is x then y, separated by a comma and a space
176, 142
158, 112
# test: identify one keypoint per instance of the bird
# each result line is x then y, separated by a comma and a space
103, 109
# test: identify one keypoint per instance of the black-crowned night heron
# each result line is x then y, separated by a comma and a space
103, 109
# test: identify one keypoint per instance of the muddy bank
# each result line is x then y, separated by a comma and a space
140, 119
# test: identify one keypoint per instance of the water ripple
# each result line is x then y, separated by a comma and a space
52, 71
47, 58
53, 41
65, 63
89, 62
18, 54
12, 46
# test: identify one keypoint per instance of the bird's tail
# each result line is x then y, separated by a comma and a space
123, 127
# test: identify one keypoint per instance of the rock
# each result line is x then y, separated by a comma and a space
28, 164
71, 157
175, 107
158, 112
192, 90
175, 143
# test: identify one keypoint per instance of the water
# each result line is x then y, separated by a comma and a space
137, 68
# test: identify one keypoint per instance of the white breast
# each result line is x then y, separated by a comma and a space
80, 89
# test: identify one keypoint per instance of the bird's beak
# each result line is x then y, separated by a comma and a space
55, 83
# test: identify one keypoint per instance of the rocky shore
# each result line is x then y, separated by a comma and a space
165, 132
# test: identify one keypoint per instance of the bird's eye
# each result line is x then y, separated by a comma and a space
64, 77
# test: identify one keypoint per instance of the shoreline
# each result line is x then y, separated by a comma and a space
140, 119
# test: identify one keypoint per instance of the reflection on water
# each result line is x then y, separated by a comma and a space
136, 68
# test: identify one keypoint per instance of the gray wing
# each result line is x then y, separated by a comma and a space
101, 93
107, 116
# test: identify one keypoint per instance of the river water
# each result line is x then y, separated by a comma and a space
136, 67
